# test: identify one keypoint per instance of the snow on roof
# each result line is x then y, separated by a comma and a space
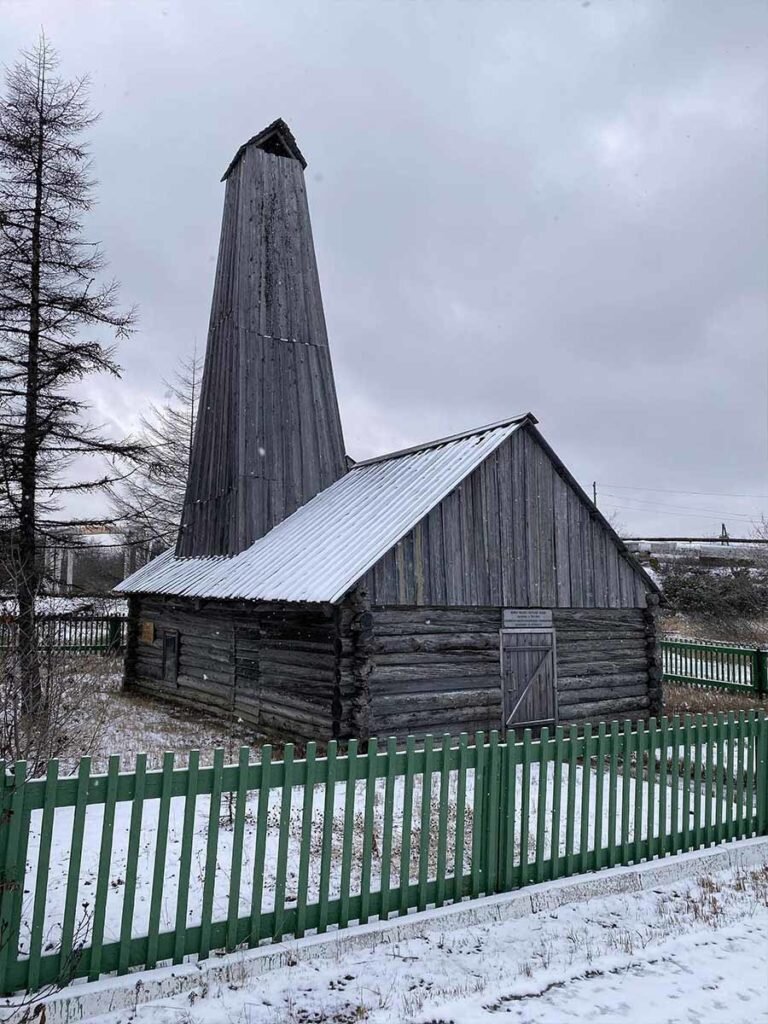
323, 548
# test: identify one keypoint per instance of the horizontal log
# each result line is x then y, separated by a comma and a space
294, 723
385, 614
446, 670
276, 687
566, 616
324, 660
424, 664
437, 643
206, 679
417, 705
453, 721
601, 668
604, 639
200, 702
201, 685
609, 709
577, 683
569, 698
428, 684
201, 657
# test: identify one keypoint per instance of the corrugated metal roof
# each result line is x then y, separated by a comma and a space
324, 548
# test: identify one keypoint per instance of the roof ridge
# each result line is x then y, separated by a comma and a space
521, 418
277, 129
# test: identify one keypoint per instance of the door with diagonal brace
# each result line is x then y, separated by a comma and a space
529, 678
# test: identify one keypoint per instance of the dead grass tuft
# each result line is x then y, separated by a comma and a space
701, 700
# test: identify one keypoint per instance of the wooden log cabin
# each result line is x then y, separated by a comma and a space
467, 583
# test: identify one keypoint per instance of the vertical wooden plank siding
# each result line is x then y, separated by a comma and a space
517, 532
655, 777
268, 397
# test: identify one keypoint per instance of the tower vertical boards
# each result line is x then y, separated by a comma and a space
268, 434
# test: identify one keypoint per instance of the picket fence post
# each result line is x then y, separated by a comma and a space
13, 845
761, 672
762, 778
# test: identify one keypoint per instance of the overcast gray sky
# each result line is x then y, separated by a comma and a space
554, 205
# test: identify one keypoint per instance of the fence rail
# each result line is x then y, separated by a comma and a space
722, 666
77, 634
104, 873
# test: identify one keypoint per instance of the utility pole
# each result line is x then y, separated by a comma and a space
594, 493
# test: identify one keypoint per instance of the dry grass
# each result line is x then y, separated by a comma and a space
704, 700
130, 723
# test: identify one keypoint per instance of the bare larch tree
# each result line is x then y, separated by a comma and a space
150, 498
50, 302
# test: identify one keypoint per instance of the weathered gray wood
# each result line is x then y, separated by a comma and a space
268, 435
528, 678
518, 532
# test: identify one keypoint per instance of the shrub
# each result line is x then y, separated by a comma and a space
722, 593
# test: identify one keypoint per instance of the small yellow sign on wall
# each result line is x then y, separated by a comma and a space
147, 631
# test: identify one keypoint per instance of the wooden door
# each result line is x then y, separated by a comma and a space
529, 678
246, 691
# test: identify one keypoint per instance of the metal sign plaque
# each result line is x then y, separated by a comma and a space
527, 618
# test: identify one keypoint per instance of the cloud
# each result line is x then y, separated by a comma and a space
554, 205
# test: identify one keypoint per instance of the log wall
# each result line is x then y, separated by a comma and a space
606, 664
272, 665
313, 672
435, 670
438, 670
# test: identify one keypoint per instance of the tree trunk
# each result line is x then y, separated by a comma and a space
29, 577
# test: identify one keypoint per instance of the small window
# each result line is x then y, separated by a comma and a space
170, 656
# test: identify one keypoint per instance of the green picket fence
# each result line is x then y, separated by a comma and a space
74, 634
722, 666
105, 873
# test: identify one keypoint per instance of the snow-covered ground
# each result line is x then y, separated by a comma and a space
692, 951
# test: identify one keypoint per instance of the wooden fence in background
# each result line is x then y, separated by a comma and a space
731, 667
76, 634
104, 873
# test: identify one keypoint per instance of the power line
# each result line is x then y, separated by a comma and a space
663, 512
668, 490
682, 508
